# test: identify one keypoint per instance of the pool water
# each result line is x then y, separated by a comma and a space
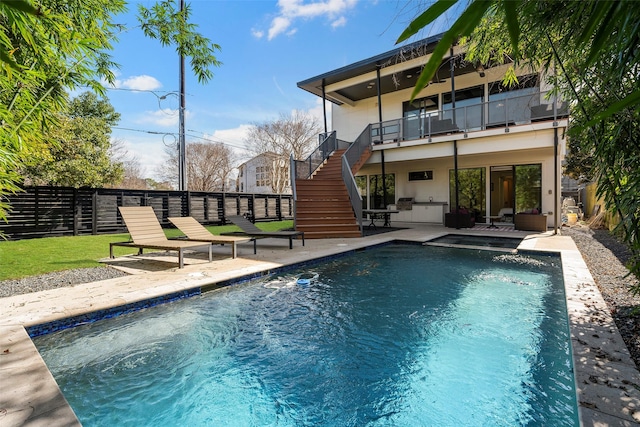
473, 240
401, 335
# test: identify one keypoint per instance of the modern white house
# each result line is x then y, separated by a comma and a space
467, 140
264, 174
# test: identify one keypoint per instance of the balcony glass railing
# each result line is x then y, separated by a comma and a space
503, 112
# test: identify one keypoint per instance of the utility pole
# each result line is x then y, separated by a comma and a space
182, 150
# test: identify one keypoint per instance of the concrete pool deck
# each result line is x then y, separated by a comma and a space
607, 381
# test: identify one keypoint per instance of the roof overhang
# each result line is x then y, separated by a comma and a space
399, 69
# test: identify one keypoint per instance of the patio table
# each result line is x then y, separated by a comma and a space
384, 214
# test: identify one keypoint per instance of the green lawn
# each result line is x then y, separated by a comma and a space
23, 258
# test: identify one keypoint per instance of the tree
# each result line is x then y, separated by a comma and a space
171, 26
59, 45
593, 47
133, 174
208, 166
44, 50
294, 135
77, 153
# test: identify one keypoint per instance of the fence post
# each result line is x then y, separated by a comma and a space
252, 206
188, 213
37, 208
223, 208
74, 211
94, 212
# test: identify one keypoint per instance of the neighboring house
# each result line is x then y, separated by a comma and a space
264, 174
505, 144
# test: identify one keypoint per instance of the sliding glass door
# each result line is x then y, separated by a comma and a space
502, 191
471, 190
528, 188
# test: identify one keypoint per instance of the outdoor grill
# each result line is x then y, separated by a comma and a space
404, 204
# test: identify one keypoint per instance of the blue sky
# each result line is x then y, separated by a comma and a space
266, 48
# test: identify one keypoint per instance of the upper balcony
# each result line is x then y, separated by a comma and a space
504, 112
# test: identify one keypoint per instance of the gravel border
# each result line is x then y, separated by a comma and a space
603, 253
59, 279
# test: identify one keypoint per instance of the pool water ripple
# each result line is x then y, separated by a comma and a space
399, 335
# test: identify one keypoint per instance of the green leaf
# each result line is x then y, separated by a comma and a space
511, 16
628, 101
7, 59
21, 5
427, 17
464, 25
595, 19
602, 37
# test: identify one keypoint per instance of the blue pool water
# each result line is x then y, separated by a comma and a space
400, 335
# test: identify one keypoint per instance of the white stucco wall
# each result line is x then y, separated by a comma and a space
518, 148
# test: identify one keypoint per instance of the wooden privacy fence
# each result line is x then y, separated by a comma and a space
65, 211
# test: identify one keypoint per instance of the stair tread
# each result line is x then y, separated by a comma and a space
323, 208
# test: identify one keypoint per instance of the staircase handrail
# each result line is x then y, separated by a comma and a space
305, 168
352, 190
349, 159
358, 147
292, 175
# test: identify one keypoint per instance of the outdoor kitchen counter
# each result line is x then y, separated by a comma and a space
428, 212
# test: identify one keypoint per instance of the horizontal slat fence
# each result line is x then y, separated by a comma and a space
65, 211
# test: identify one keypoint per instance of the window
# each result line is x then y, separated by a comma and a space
421, 176
471, 189
371, 190
468, 114
524, 82
262, 176
377, 191
509, 105
414, 113
361, 183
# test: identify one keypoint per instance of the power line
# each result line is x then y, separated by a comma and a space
174, 134
231, 144
144, 131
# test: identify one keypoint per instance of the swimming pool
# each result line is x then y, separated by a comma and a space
398, 335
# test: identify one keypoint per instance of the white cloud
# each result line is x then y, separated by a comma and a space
234, 137
142, 82
149, 150
340, 22
257, 33
279, 25
319, 114
165, 117
292, 10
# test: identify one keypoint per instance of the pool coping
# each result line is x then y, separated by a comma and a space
607, 381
